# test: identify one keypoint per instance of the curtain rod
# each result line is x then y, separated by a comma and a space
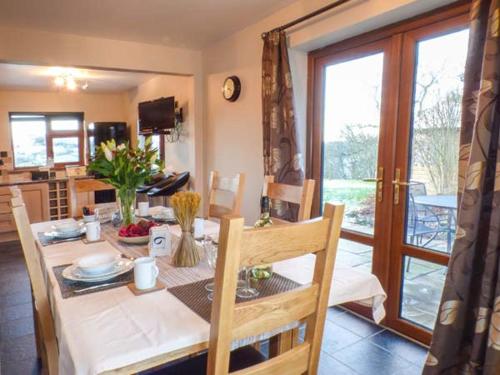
307, 16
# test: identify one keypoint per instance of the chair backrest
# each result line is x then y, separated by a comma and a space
33, 264
249, 247
219, 188
82, 194
417, 189
301, 195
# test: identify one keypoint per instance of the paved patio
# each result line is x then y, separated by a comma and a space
422, 286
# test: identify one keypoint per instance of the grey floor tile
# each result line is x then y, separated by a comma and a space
359, 326
17, 298
336, 338
330, 366
367, 358
16, 328
19, 348
16, 312
400, 346
20, 367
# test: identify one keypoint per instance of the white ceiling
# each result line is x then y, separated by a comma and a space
181, 23
32, 77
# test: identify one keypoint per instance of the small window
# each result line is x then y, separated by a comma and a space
38, 138
29, 141
157, 141
66, 150
64, 125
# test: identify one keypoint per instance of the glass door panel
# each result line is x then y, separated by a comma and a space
433, 161
423, 284
350, 138
425, 177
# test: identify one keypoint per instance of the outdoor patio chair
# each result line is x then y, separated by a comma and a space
423, 225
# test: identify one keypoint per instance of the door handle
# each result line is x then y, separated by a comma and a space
397, 183
380, 183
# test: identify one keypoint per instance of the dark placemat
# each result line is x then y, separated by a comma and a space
159, 221
49, 240
194, 295
68, 287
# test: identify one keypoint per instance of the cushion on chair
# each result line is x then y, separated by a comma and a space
240, 358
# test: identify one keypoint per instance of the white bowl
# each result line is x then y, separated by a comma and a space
97, 263
89, 218
67, 227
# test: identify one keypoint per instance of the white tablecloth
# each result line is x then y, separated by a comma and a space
114, 328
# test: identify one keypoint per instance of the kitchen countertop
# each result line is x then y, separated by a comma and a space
13, 180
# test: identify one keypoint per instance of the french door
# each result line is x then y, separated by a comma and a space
384, 125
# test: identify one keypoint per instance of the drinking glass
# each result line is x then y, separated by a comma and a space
247, 291
210, 249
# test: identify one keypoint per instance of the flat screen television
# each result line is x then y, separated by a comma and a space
157, 116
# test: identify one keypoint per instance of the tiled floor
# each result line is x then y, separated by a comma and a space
350, 346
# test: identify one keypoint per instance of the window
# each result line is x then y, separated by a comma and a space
38, 139
158, 142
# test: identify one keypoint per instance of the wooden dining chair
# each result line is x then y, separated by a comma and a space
43, 314
82, 194
239, 247
225, 189
301, 195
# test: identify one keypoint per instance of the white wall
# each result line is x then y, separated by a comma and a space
97, 107
180, 154
234, 130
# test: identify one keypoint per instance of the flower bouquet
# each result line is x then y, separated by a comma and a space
126, 169
186, 204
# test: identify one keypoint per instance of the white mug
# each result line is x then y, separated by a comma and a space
199, 228
93, 230
143, 208
145, 273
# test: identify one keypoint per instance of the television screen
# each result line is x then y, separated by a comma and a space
157, 116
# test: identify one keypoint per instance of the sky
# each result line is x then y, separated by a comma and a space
353, 88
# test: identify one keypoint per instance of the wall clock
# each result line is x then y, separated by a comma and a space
231, 88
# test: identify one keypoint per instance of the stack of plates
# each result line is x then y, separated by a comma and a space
97, 267
67, 230
164, 214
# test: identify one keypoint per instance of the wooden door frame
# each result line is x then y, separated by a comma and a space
387, 258
403, 149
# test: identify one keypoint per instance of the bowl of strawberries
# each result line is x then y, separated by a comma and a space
136, 233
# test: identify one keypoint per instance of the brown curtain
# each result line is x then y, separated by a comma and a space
282, 158
466, 337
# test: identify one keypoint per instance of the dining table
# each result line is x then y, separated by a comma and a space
115, 331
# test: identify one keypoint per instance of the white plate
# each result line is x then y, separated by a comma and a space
69, 227
67, 235
72, 272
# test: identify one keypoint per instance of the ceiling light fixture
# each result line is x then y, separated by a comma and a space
69, 82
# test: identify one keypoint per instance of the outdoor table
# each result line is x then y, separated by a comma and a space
445, 202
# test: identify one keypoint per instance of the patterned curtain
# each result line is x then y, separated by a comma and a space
466, 337
282, 158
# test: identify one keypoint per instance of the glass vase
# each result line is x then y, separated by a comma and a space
127, 206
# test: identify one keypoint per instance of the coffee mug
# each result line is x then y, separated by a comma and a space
143, 208
145, 273
93, 230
